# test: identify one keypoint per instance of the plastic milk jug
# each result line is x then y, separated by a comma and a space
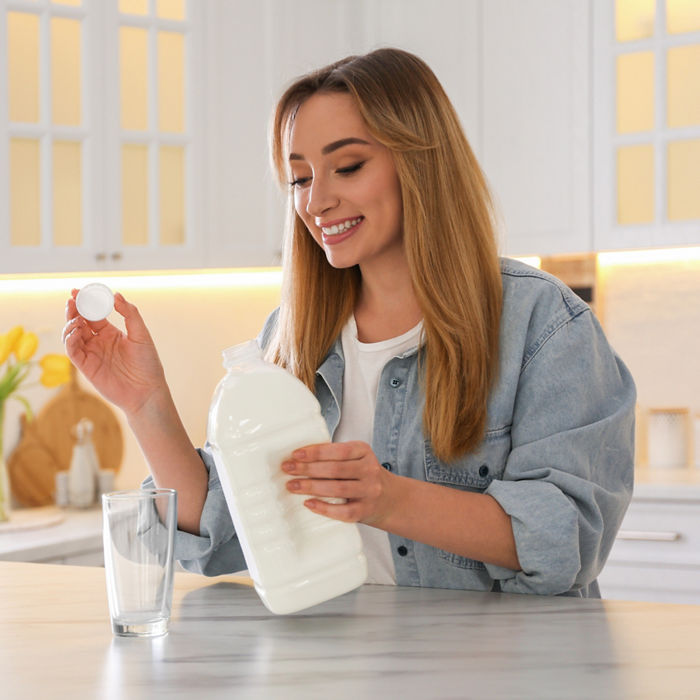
259, 415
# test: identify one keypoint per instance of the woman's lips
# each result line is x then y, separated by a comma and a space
332, 239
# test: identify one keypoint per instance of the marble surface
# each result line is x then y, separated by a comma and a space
72, 531
376, 642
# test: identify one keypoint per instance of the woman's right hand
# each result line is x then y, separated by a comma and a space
123, 367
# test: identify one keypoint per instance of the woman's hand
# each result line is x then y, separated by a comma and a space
123, 367
346, 470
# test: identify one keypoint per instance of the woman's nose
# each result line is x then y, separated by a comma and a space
321, 198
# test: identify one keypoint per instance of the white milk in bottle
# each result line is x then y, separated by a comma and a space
259, 415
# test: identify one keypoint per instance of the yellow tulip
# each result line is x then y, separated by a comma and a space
55, 363
14, 334
5, 347
52, 379
26, 346
56, 370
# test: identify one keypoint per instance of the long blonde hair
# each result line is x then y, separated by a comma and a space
448, 235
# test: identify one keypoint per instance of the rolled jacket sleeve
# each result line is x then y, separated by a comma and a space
568, 479
216, 550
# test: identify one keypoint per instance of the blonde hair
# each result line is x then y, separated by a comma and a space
448, 235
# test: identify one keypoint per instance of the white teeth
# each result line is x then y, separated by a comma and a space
340, 228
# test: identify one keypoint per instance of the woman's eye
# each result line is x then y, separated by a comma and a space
350, 168
299, 181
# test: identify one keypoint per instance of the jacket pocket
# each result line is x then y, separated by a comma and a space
472, 472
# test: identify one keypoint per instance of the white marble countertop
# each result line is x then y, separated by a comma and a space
71, 531
376, 642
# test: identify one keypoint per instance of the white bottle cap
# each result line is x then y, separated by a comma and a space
95, 301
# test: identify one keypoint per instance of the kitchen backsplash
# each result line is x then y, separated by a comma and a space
651, 313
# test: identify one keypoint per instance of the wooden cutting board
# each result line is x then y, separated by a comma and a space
47, 442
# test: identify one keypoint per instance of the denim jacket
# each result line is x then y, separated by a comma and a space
557, 454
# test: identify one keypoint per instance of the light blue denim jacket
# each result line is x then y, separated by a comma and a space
557, 454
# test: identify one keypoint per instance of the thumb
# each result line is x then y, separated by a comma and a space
136, 328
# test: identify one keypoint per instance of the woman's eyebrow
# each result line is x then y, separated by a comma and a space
333, 146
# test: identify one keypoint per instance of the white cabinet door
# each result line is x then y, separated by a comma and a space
82, 186
656, 555
535, 119
646, 76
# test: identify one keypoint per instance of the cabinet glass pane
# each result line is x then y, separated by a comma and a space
682, 16
133, 77
634, 19
133, 7
635, 184
23, 66
171, 82
72, 3
134, 194
67, 193
683, 89
635, 92
171, 9
172, 195
25, 227
683, 159
65, 71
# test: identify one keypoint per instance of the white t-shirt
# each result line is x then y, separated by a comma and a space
364, 363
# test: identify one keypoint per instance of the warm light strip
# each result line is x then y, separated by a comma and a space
649, 257
250, 278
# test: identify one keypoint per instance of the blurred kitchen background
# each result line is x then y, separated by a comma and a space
133, 150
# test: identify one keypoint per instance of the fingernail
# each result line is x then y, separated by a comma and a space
288, 466
299, 454
293, 485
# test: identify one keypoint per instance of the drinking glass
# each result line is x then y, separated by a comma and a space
138, 535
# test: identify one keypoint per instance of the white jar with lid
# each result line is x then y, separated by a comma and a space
259, 415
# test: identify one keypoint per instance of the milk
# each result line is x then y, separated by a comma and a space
259, 415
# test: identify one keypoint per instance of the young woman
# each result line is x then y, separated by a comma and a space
482, 426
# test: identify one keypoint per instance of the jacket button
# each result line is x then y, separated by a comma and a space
402, 550
394, 382
387, 466
483, 470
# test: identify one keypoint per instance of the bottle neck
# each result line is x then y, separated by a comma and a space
244, 355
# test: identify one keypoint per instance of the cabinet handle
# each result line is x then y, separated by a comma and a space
649, 536
116, 256
100, 256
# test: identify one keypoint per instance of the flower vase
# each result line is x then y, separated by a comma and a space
4, 478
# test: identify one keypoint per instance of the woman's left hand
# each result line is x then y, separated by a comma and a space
346, 470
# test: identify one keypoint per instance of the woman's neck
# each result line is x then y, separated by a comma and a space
387, 306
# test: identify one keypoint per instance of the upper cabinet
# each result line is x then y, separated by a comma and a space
101, 150
534, 113
647, 123
133, 133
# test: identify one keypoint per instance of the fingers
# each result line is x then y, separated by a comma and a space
331, 452
135, 326
72, 313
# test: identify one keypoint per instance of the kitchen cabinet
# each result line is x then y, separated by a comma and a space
101, 155
532, 81
517, 74
646, 124
656, 556
534, 115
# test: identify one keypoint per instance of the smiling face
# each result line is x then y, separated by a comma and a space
346, 189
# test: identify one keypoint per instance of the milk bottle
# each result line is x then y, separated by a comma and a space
259, 414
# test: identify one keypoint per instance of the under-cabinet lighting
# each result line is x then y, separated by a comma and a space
649, 257
200, 279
